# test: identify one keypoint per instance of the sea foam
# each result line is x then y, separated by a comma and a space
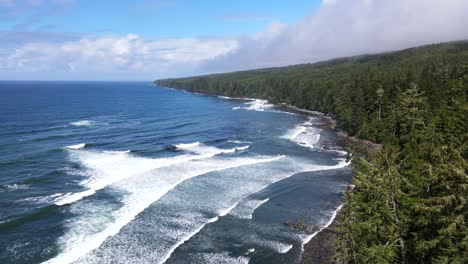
107, 167
200, 148
82, 123
149, 187
185, 238
141, 192
247, 208
14, 187
187, 145
77, 146
216, 258
256, 105
304, 134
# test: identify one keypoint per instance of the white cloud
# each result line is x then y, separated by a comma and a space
344, 28
115, 55
338, 28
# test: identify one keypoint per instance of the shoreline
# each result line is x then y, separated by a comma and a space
321, 246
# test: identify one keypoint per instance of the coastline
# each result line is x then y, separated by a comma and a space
321, 246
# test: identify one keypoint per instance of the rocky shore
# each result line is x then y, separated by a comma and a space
322, 248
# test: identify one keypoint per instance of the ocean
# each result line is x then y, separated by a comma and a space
128, 172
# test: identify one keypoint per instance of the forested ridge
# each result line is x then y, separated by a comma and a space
408, 201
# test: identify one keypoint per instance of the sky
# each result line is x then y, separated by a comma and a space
152, 39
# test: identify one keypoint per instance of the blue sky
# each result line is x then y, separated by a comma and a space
149, 39
152, 18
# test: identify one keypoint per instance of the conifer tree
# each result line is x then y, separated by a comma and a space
370, 226
439, 233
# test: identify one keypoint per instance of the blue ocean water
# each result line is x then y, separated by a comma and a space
127, 172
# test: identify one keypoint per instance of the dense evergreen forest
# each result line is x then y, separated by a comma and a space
408, 201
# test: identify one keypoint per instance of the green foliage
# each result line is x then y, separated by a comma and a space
362, 91
409, 201
368, 229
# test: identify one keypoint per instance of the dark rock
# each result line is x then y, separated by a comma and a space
303, 227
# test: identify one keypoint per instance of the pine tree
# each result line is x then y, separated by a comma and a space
370, 228
439, 230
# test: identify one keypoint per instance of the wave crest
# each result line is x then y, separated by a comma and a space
304, 134
82, 123
77, 146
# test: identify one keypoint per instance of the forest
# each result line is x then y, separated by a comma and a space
408, 201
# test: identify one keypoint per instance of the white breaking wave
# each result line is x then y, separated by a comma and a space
83, 234
108, 167
77, 146
83, 123
187, 145
276, 246
200, 148
187, 237
246, 210
251, 250
308, 136
46, 199
242, 148
87, 123
226, 211
304, 134
258, 105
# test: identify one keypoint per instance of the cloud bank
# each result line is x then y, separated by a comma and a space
345, 28
338, 28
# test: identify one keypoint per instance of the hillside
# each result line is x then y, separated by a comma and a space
409, 203
327, 86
